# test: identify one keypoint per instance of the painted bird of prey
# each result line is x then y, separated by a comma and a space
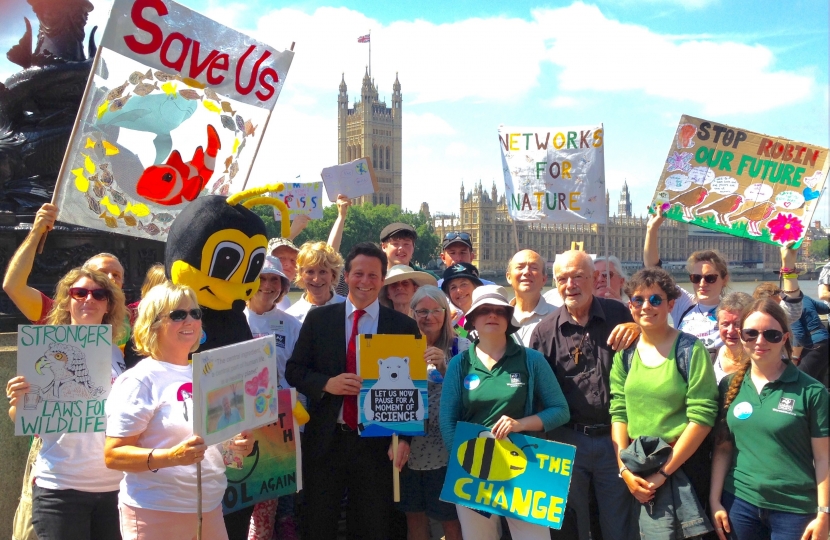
722, 208
689, 200
70, 376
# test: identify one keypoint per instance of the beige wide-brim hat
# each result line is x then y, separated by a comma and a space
492, 295
400, 272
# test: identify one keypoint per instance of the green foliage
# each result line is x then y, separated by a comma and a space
819, 249
363, 223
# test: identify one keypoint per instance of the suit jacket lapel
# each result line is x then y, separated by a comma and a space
337, 337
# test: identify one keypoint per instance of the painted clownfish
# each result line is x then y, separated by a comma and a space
176, 181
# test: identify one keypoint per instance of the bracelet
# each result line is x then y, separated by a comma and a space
623, 469
823, 509
785, 270
148, 461
789, 276
664, 474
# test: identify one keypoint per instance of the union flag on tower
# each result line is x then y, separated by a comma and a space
364, 39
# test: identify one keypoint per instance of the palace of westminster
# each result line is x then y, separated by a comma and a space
370, 124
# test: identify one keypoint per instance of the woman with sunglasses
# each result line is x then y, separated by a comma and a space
503, 386
150, 427
651, 397
74, 495
770, 467
318, 269
730, 357
423, 476
694, 313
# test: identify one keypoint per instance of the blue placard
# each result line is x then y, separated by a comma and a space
520, 477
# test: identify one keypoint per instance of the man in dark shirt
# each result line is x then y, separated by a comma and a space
575, 340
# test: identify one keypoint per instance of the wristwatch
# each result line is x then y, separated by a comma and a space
664, 473
823, 509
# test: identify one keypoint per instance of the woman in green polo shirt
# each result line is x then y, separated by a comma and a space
503, 386
770, 467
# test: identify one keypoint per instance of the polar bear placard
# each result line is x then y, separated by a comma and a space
394, 397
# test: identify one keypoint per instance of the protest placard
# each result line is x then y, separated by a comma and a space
274, 467
393, 398
521, 477
175, 108
235, 388
69, 370
301, 198
554, 175
741, 183
351, 179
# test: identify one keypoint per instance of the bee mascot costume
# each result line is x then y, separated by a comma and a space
217, 246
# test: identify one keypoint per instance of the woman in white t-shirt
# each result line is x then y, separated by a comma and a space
150, 427
318, 269
74, 495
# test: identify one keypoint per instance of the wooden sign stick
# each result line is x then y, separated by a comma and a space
199, 501
396, 473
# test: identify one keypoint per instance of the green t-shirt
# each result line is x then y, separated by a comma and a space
657, 402
489, 395
772, 461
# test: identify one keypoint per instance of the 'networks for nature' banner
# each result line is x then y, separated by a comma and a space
175, 109
520, 477
554, 175
69, 371
742, 183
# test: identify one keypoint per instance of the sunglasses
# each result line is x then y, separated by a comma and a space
709, 278
638, 301
179, 315
771, 336
82, 293
459, 235
485, 310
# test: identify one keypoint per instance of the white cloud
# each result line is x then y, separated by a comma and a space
686, 4
721, 76
425, 125
561, 102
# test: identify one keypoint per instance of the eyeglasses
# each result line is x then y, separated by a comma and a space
607, 275
179, 315
655, 300
458, 235
772, 336
82, 293
709, 278
424, 313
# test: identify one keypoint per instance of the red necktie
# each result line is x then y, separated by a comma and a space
350, 402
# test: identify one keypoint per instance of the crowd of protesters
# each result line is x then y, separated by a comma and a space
693, 413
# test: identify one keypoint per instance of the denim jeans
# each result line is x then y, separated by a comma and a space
69, 514
749, 522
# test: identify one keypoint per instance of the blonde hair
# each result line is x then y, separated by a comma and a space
155, 276
159, 300
116, 314
318, 254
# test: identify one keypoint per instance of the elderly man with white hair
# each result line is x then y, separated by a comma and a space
610, 279
578, 340
526, 274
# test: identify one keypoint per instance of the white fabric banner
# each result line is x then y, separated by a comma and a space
554, 175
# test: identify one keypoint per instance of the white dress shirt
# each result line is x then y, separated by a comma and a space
368, 324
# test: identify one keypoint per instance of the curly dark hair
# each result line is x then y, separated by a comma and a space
648, 277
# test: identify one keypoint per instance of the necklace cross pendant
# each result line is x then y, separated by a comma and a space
576, 355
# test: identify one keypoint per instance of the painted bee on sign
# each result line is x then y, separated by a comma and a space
488, 458
207, 368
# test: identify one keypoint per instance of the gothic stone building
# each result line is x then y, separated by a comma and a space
370, 128
484, 215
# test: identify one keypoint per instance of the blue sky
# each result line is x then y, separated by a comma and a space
467, 66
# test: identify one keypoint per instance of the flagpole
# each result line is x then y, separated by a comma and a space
370, 53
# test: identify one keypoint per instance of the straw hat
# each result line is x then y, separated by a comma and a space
400, 272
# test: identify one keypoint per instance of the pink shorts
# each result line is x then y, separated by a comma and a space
144, 524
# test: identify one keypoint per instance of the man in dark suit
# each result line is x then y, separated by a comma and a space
322, 367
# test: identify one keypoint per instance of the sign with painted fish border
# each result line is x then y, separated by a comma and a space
739, 182
175, 108
520, 477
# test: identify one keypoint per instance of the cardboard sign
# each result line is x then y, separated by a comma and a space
393, 398
351, 179
554, 175
274, 467
301, 199
175, 108
69, 370
235, 388
520, 477
742, 183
